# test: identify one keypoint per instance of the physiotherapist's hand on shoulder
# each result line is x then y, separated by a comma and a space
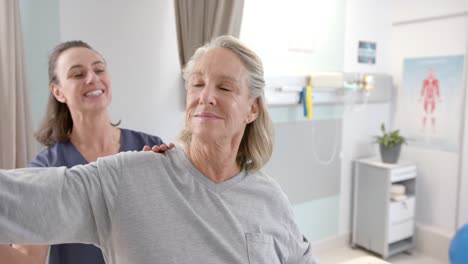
158, 149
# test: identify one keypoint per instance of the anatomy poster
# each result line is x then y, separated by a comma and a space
431, 100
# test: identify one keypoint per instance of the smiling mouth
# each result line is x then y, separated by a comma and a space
207, 116
94, 93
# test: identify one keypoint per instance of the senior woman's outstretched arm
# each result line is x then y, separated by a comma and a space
58, 205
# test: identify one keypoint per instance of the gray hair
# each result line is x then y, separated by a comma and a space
256, 145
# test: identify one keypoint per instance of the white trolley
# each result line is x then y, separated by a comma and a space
381, 225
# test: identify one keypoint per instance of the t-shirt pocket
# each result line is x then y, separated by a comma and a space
261, 249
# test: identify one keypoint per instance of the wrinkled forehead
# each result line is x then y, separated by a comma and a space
220, 63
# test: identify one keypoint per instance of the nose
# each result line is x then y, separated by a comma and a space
207, 95
91, 77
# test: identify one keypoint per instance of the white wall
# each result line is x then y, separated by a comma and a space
438, 170
463, 185
40, 24
367, 20
423, 9
295, 37
138, 40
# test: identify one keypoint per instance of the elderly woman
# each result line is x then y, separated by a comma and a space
204, 201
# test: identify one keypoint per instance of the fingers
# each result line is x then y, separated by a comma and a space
162, 148
155, 148
159, 149
146, 148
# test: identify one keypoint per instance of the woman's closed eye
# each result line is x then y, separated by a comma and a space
198, 85
99, 71
78, 75
225, 89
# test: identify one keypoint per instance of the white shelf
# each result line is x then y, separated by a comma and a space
376, 162
401, 246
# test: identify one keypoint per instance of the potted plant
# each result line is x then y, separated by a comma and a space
390, 145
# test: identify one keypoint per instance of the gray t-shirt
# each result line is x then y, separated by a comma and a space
142, 207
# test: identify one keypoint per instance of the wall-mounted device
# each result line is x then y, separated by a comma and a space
329, 88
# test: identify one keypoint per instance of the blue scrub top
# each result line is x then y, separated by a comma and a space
65, 154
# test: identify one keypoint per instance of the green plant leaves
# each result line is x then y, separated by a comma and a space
390, 139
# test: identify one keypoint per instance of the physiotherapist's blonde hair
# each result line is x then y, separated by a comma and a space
256, 145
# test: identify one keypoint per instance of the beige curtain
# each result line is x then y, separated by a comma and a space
16, 141
198, 21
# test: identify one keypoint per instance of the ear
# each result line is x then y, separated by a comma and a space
54, 89
254, 109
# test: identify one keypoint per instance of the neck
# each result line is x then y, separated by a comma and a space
216, 161
94, 132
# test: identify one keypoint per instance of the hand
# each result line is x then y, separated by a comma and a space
158, 149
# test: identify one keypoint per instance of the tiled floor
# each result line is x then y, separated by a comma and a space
336, 256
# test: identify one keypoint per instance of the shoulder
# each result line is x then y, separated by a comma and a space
140, 138
48, 157
143, 159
